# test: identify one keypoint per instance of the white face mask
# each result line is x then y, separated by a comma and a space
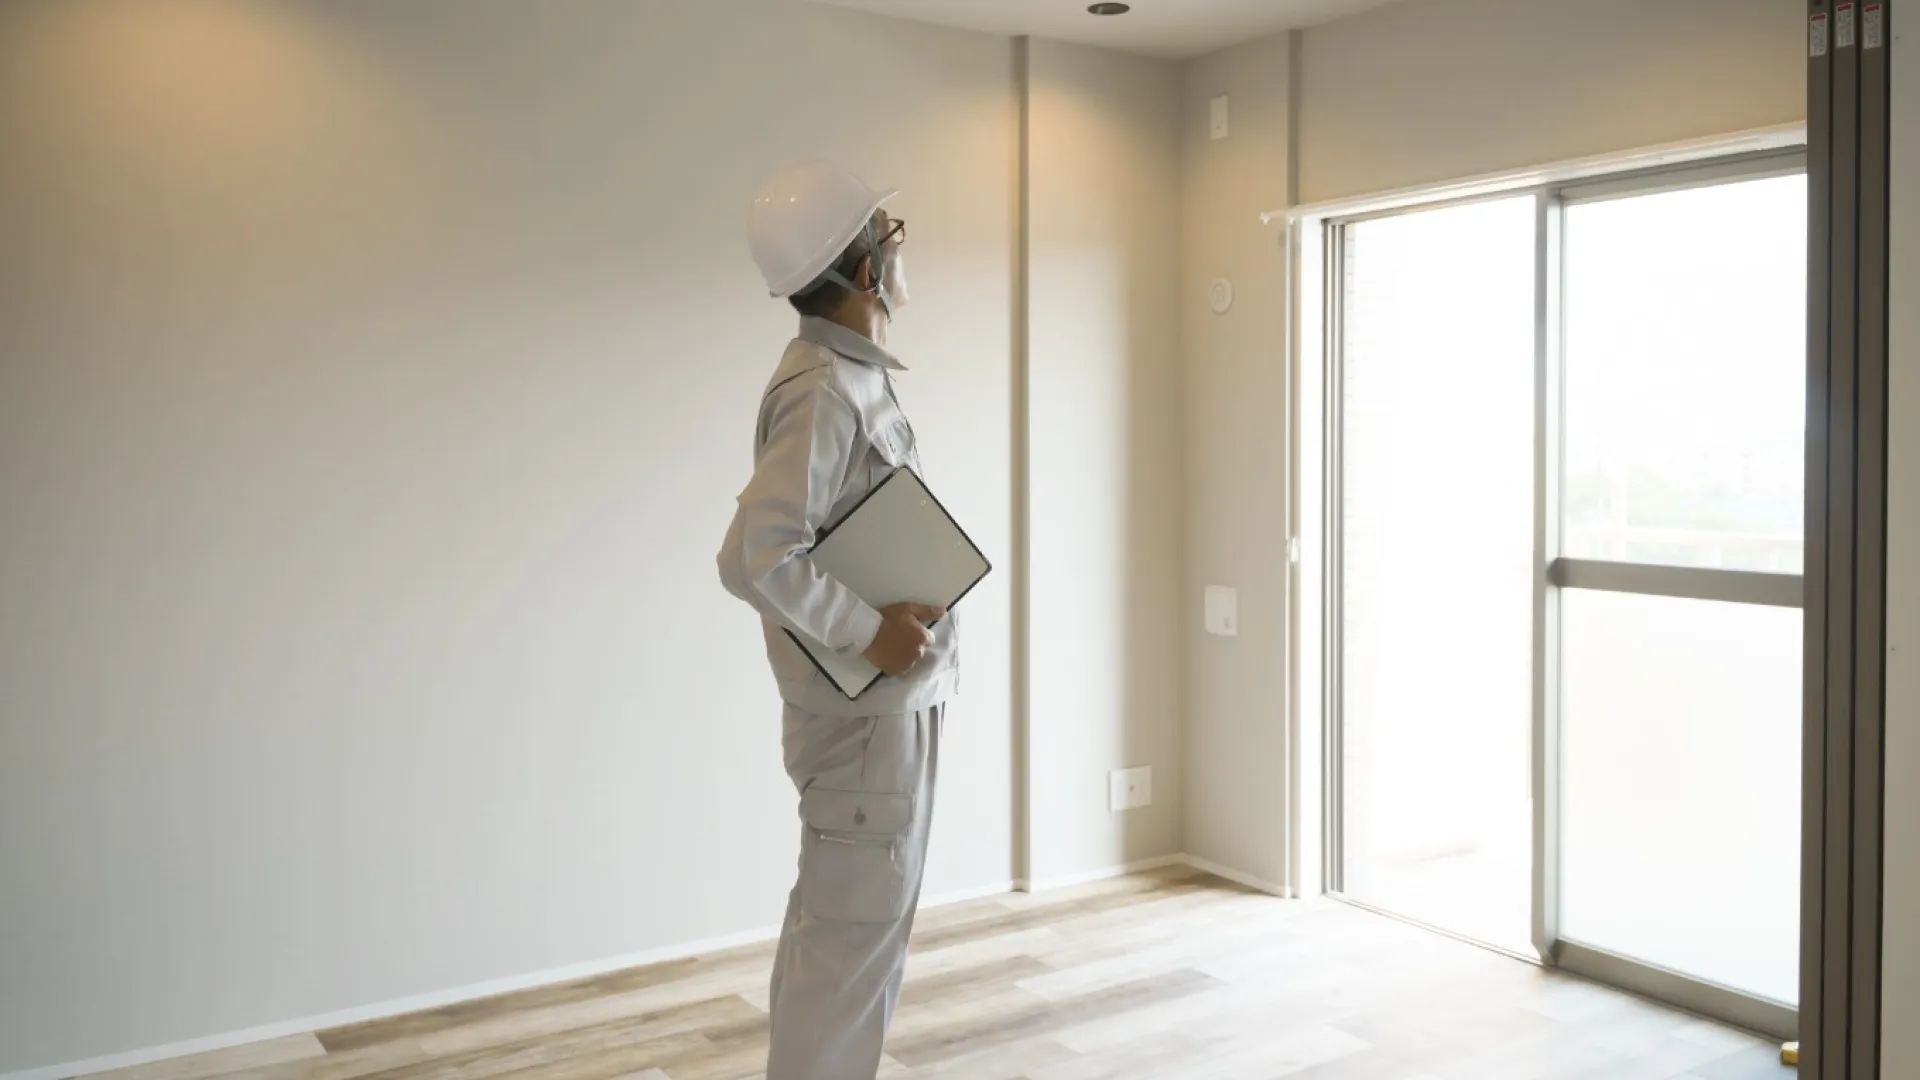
893, 281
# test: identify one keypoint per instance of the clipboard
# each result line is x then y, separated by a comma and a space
897, 545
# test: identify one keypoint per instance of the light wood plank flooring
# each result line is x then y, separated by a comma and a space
1168, 976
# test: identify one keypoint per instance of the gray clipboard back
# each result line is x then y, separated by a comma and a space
897, 545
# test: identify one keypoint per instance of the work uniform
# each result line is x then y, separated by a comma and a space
830, 431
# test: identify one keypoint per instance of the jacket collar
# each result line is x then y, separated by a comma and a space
848, 343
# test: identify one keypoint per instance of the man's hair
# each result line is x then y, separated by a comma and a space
825, 297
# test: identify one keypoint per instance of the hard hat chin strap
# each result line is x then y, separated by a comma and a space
878, 265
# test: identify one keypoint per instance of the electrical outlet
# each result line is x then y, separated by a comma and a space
1130, 789
1217, 110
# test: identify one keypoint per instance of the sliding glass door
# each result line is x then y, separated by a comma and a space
1684, 438
1566, 461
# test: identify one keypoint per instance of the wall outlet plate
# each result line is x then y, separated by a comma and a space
1217, 114
1130, 789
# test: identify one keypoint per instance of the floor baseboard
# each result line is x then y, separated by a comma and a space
1238, 878
1067, 881
571, 972
394, 1007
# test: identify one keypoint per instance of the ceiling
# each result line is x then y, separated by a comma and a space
1171, 28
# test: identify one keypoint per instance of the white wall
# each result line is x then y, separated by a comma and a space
1104, 478
1235, 408
375, 380
1427, 91
1900, 1002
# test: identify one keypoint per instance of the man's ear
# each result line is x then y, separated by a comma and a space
863, 276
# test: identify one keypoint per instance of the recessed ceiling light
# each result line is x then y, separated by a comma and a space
1110, 9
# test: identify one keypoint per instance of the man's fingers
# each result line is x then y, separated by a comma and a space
918, 616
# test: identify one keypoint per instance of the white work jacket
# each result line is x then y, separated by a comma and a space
830, 431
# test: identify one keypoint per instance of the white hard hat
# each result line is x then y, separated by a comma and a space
804, 217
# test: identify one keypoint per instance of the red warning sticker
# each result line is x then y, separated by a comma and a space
1843, 26
1817, 35
1873, 26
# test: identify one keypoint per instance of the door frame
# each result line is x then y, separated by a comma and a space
1552, 573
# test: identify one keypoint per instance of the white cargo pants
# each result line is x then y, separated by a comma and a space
866, 802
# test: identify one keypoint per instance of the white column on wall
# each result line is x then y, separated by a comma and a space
1103, 468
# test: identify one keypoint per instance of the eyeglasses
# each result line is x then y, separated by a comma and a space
896, 233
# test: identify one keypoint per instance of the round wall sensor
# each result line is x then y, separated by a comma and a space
1220, 296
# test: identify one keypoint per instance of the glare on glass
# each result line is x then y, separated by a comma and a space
1437, 566
1685, 352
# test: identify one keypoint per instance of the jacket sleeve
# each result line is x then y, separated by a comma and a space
810, 435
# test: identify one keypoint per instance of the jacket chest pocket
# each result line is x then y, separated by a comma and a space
894, 447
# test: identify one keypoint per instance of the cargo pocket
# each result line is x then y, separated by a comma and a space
853, 869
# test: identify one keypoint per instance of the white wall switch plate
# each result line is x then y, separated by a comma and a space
1220, 117
1130, 789
1223, 611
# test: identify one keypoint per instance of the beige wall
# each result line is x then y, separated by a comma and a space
375, 380
1427, 91
1235, 407
1900, 1005
1104, 476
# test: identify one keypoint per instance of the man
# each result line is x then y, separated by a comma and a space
830, 430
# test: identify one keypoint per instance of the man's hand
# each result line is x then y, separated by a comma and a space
903, 637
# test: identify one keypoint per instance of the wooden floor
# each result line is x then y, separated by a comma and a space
1173, 975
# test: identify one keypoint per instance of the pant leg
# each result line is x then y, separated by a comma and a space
866, 804
935, 720
787, 927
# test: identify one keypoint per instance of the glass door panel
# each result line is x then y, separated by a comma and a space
1685, 378
1684, 369
1437, 566
1680, 782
